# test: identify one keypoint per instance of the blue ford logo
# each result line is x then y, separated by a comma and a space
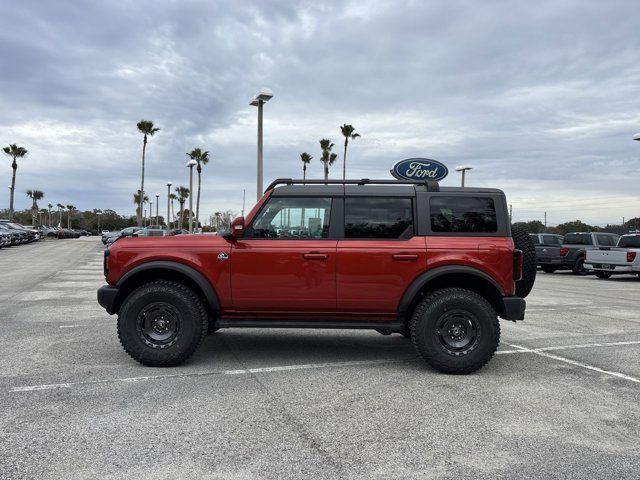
419, 169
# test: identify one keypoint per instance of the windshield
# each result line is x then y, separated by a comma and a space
632, 241
578, 239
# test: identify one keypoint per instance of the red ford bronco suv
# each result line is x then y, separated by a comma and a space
437, 265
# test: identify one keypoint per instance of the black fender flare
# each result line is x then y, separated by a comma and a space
190, 272
421, 280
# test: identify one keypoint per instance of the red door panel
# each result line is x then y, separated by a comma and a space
372, 275
283, 275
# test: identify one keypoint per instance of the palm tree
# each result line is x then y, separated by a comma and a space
183, 195
327, 158
136, 201
202, 158
15, 152
60, 209
34, 195
70, 209
306, 159
349, 132
172, 197
148, 130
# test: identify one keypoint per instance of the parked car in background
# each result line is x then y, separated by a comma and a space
576, 245
18, 237
548, 247
5, 239
623, 258
125, 232
32, 235
152, 232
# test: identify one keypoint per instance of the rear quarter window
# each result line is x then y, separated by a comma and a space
458, 214
629, 242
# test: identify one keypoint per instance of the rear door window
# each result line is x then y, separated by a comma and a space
578, 239
457, 214
551, 240
605, 240
378, 217
629, 242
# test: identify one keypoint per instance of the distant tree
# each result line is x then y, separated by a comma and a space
348, 131
34, 195
183, 195
147, 128
533, 226
202, 158
327, 157
172, 197
70, 209
15, 152
575, 226
306, 159
136, 200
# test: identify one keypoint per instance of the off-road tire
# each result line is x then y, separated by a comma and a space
547, 269
182, 304
578, 267
523, 242
428, 340
603, 275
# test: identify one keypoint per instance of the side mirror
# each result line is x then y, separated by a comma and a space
236, 230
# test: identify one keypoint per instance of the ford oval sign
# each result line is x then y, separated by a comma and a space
419, 169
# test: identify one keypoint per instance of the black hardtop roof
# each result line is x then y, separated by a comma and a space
387, 187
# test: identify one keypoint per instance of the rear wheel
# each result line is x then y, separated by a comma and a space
578, 267
548, 269
455, 330
162, 323
603, 274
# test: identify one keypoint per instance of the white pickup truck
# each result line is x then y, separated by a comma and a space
623, 258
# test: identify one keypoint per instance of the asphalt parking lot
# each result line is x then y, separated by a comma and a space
560, 400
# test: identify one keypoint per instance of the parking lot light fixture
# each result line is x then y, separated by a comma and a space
191, 163
264, 95
463, 169
157, 204
636, 136
167, 221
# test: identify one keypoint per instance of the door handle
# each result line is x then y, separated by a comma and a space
315, 256
405, 257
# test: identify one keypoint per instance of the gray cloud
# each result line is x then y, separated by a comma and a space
540, 98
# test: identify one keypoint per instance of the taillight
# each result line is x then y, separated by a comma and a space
631, 256
517, 265
563, 251
106, 262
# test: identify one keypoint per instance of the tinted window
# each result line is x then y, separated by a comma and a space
378, 217
551, 240
606, 240
632, 241
293, 217
534, 239
578, 239
463, 214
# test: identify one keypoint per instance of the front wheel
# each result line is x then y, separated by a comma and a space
603, 275
162, 323
455, 330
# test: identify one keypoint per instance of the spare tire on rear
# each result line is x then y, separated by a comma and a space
523, 242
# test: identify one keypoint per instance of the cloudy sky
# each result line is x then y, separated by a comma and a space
542, 98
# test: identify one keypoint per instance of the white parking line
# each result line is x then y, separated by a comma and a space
575, 363
69, 326
519, 349
245, 371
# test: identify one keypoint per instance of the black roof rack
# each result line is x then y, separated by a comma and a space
432, 186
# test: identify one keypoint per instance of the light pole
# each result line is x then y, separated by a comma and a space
98, 215
264, 95
463, 169
157, 204
150, 213
50, 205
191, 163
168, 220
